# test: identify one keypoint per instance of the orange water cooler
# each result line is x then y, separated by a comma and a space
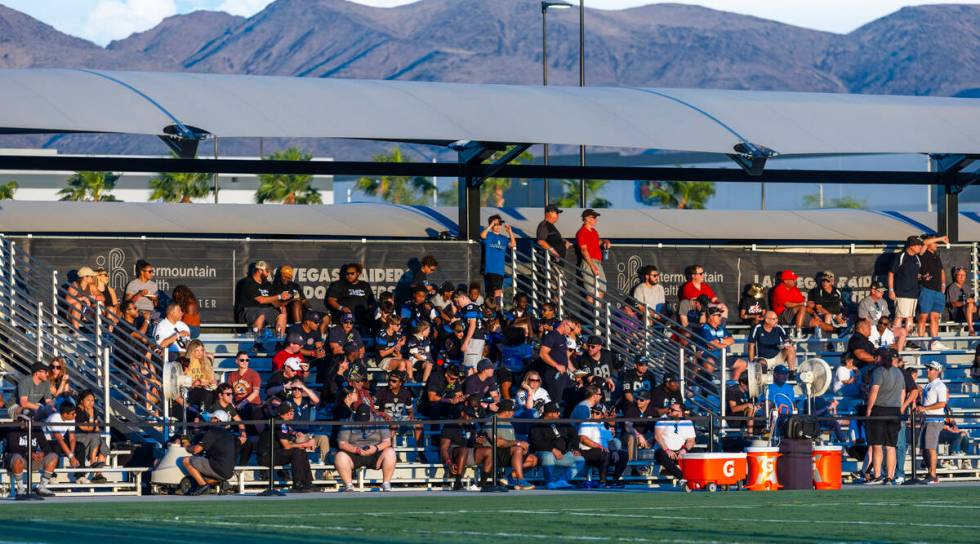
762, 468
710, 470
827, 467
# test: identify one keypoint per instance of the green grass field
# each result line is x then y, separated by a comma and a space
883, 515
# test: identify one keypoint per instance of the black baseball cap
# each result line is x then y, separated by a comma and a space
295, 338
552, 208
670, 378
879, 286
351, 347
551, 408
347, 318
595, 340
590, 212
886, 354
473, 411
506, 405
363, 413
642, 360
913, 241
643, 395
313, 315
38, 367
285, 407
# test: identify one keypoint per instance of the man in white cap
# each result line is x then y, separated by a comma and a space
218, 462
934, 399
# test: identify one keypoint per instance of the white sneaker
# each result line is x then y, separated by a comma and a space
20, 488
385, 487
899, 480
82, 480
473, 487
938, 346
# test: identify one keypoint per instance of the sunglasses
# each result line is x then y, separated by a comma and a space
243, 360
55, 367
534, 380
351, 273
701, 273
826, 280
226, 394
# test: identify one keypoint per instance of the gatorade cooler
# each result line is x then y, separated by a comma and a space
827, 467
709, 470
762, 468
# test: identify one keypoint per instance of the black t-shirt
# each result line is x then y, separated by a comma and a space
17, 442
549, 233
309, 338
337, 335
859, 341
473, 385
905, 267
279, 286
438, 384
662, 398
736, 395
452, 349
558, 345
461, 435
910, 384
605, 367
250, 289
633, 382
832, 302
221, 449
283, 432
357, 296
632, 410
753, 307
394, 405
931, 270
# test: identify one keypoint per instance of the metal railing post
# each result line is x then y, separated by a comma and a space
165, 401
595, 301
681, 377
54, 312
914, 441
547, 278
105, 396
98, 329
513, 271
12, 253
724, 387
976, 270
608, 322
40, 331
534, 279
711, 432
646, 330
561, 295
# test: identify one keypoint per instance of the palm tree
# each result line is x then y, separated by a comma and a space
179, 186
287, 188
684, 195
570, 198
396, 189
496, 187
7, 190
812, 201
90, 187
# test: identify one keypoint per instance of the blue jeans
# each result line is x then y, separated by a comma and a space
571, 465
900, 448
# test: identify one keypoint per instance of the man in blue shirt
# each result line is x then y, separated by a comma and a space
718, 340
495, 247
782, 396
768, 340
475, 336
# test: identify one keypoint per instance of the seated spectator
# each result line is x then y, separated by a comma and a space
521, 308
294, 344
452, 345
337, 375
277, 381
88, 435
716, 335
395, 402
59, 430
189, 305
466, 444
639, 434
791, 306
826, 303
859, 347
34, 393
288, 446
881, 334
846, 379
418, 352
389, 343
171, 333
640, 378
548, 321
442, 394
423, 275
313, 344
364, 446
255, 303
217, 464
874, 306
224, 402
101, 292
133, 353
351, 295
444, 297
417, 309
674, 436
666, 395
595, 446
752, 308
961, 306
649, 292
483, 385
556, 446
782, 396
532, 397
79, 299
245, 386
769, 341
511, 451
958, 441
58, 381
143, 291
296, 304
201, 370
43, 455
696, 287
343, 334
740, 404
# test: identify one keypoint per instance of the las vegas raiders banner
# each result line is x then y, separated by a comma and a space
212, 267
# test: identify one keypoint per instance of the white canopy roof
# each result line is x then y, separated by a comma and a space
713, 121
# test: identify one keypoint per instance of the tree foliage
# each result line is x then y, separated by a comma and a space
570, 198
90, 187
287, 188
685, 195
406, 190
180, 186
812, 201
7, 190
494, 188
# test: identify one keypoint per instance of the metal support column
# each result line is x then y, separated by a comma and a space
948, 213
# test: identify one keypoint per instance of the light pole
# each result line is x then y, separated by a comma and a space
545, 6
581, 83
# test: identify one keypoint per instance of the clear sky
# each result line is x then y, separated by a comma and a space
104, 20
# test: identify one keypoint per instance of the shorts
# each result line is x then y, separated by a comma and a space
788, 317
492, 282
589, 278
772, 362
470, 457
930, 434
204, 467
884, 432
384, 364
931, 301
251, 313
905, 307
474, 352
365, 461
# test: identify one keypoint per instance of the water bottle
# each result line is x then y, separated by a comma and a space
605, 254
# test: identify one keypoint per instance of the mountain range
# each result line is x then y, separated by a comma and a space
927, 50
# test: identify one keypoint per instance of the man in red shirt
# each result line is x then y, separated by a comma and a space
788, 301
590, 248
294, 343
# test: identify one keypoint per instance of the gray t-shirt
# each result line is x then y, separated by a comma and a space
35, 392
891, 383
872, 309
363, 437
143, 303
505, 431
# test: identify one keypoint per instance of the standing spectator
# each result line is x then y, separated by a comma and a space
288, 446
752, 308
674, 436
903, 283
935, 396
932, 286
962, 306
474, 337
826, 303
351, 295
34, 393
695, 287
143, 290
172, 333
549, 237
860, 349
218, 462
364, 446
495, 247
716, 335
255, 303
591, 250
44, 459
556, 446
885, 400
191, 309
769, 341
649, 292
553, 354
296, 303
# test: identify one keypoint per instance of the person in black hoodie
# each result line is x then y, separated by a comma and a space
556, 445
